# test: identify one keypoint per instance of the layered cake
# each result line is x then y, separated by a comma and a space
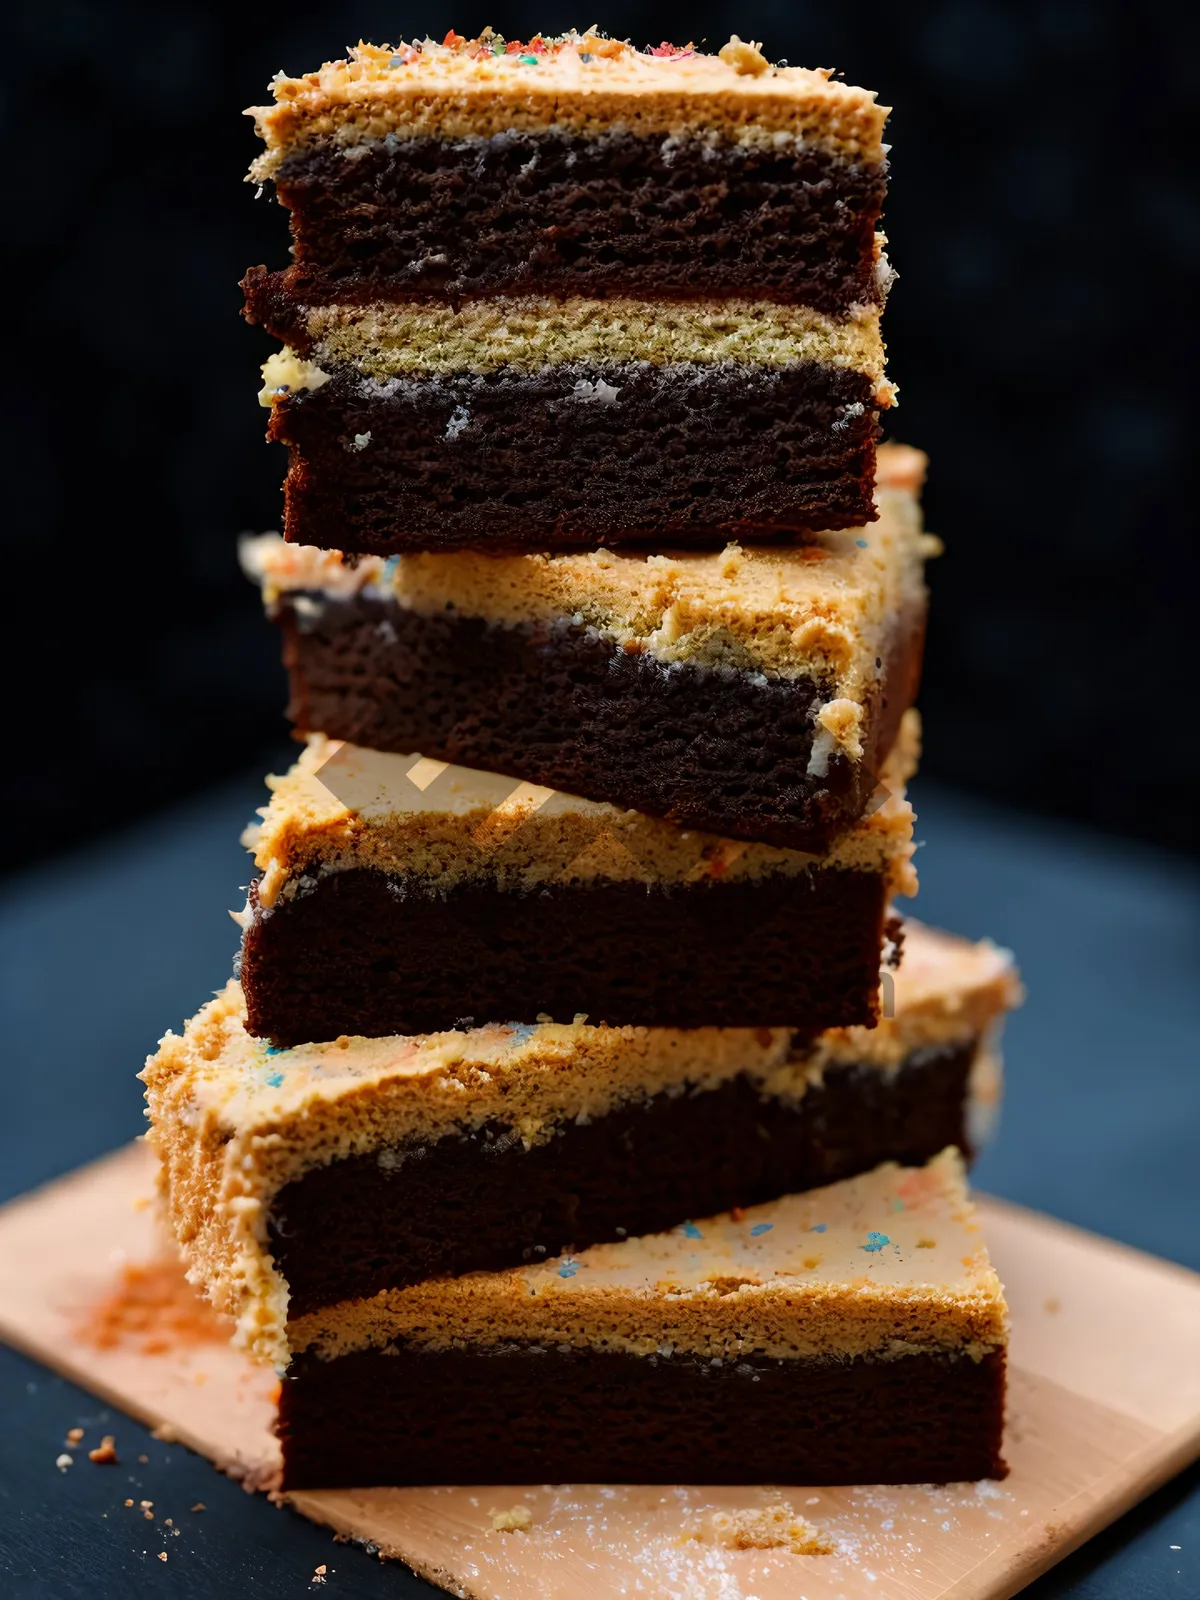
855, 1334
299, 1178
569, 292
401, 895
752, 693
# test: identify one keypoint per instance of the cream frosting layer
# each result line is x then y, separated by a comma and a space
341, 807
580, 83
826, 611
530, 334
233, 1120
889, 1264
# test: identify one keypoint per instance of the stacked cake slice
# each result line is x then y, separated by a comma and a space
582, 1109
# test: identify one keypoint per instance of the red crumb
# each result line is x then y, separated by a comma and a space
153, 1308
105, 1453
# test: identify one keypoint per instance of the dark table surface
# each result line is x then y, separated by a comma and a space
103, 951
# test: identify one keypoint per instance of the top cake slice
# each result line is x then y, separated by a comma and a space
563, 293
576, 166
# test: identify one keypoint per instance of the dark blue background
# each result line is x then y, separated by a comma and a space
1046, 223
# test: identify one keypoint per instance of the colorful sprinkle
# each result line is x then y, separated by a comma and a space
818, 1227
528, 61
897, 1204
875, 1242
568, 1269
760, 1227
691, 1231
861, 543
274, 1081
271, 1050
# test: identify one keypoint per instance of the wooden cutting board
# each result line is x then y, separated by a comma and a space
1104, 1406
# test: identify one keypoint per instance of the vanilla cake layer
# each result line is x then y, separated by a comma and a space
299, 1178
751, 692
535, 425
576, 165
856, 1333
556, 294
401, 895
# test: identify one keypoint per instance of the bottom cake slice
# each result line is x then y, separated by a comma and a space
855, 1334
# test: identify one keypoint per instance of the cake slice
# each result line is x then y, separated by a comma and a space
299, 1178
570, 292
752, 693
855, 1334
401, 895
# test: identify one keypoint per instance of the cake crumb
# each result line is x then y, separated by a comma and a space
74, 1435
64, 1461
744, 56
319, 1574
773, 1527
199, 1506
144, 1460
518, 1520
129, 1502
105, 1453
162, 1555
1053, 1305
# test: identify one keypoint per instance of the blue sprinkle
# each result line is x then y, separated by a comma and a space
875, 1242
568, 1269
861, 543
275, 1080
389, 568
897, 1204
272, 1050
817, 1227
760, 1227
691, 1231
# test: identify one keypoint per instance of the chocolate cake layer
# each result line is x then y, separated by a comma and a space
484, 1201
554, 212
363, 951
576, 454
547, 1415
563, 705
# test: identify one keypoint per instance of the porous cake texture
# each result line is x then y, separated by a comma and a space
300, 1178
401, 895
752, 693
856, 1333
568, 292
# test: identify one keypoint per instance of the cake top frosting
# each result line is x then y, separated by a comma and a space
343, 806
884, 1265
462, 87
